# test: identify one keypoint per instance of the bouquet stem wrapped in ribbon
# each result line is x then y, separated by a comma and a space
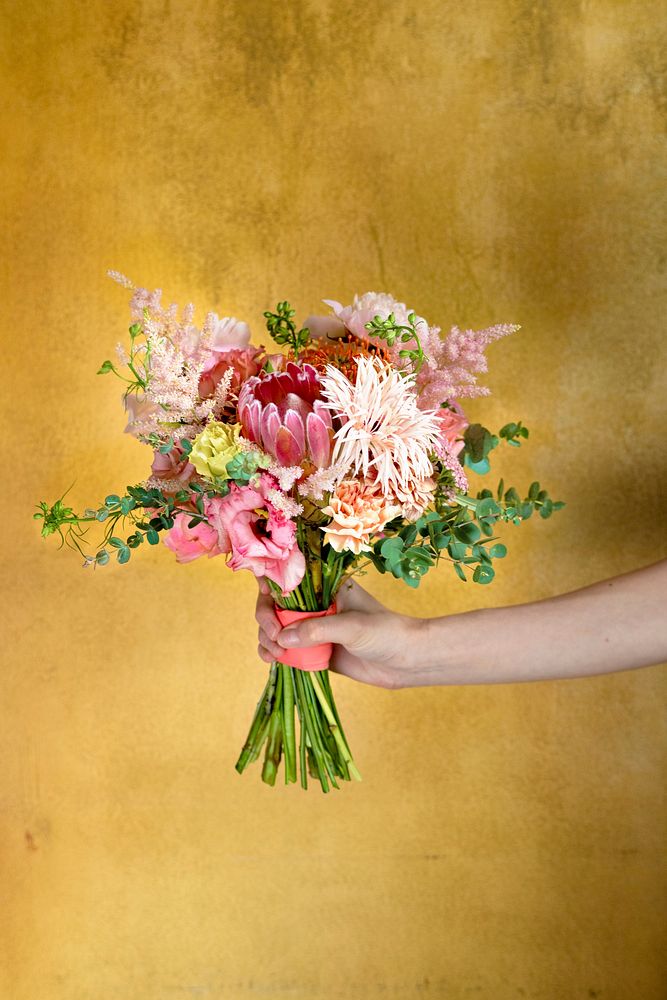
347, 450
300, 686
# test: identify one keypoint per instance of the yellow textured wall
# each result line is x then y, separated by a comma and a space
487, 161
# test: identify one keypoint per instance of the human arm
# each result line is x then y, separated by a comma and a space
616, 624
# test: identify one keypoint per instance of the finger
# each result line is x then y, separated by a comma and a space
347, 628
266, 616
265, 654
263, 585
273, 647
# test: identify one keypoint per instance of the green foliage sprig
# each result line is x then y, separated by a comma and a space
149, 510
391, 331
462, 534
282, 329
479, 442
138, 364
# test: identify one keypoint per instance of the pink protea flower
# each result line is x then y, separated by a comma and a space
284, 414
261, 537
358, 510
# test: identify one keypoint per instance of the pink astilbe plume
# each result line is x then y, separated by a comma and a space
451, 462
175, 356
452, 363
322, 481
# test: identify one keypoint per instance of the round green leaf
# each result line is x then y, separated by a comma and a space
467, 532
483, 574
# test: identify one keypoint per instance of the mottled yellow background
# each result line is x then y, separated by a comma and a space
487, 161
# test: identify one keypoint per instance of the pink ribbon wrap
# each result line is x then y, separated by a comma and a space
310, 657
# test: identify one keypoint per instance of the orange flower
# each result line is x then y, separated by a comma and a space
341, 353
357, 510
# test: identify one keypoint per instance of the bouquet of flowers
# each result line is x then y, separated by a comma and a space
348, 448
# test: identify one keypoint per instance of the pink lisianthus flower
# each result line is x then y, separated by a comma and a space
204, 539
324, 327
261, 538
452, 424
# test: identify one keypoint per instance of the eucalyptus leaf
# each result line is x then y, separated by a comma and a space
468, 532
483, 574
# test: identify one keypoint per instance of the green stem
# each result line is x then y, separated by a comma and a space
275, 736
320, 732
311, 731
289, 737
334, 727
257, 733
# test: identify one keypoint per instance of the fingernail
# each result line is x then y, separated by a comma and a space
288, 637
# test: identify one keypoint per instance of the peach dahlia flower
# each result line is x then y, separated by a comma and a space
382, 433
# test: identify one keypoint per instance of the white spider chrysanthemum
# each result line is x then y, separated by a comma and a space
384, 435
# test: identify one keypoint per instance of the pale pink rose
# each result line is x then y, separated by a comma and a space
366, 307
265, 542
452, 424
244, 362
172, 468
227, 333
324, 327
203, 539
139, 409
357, 510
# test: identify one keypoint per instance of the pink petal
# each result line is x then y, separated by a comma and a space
296, 403
250, 419
323, 412
319, 443
286, 448
269, 426
324, 327
294, 423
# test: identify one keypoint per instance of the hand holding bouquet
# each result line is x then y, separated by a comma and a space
346, 450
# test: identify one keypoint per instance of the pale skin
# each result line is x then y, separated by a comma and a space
616, 624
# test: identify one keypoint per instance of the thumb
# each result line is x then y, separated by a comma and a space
346, 628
